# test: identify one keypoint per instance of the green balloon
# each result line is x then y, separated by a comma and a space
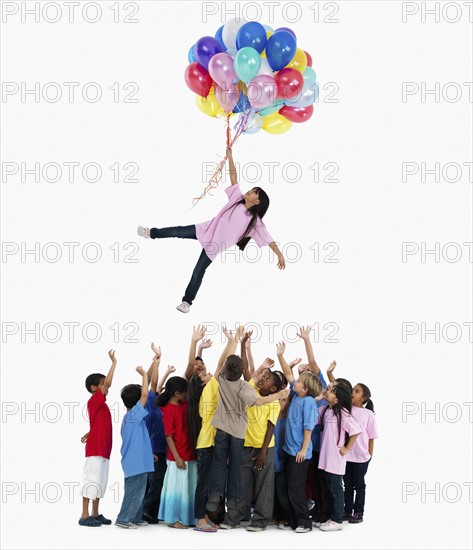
247, 63
309, 73
270, 109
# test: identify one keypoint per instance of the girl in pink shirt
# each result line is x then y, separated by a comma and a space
361, 454
336, 423
236, 223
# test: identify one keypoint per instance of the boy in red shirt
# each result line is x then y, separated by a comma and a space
98, 446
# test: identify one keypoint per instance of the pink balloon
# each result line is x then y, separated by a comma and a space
227, 97
221, 70
262, 90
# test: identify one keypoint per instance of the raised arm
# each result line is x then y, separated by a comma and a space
164, 377
144, 385
230, 347
330, 370
282, 394
108, 380
231, 167
249, 355
281, 261
206, 343
304, 333
197, 334
280, 349
246, 367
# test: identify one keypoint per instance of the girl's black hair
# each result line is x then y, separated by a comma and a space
173, 385
194, 421
346, 382
257, 211
367, 397
343, 395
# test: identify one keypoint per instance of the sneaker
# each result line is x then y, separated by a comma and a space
284, 526
90, 522
255, 527
140, 523
185, 308
103, 521
302, 529
331, 526
126, 525
345, 516
356, 518
227, 526
143, 232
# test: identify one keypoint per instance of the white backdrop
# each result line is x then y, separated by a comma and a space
360, 194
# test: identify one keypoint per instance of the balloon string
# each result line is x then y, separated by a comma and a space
216, 176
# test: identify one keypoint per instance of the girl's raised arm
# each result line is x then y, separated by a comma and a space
280, 349
231, 168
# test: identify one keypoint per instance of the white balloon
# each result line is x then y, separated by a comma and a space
265, 67
230, 31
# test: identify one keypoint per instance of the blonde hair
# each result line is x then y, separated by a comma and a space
311, 383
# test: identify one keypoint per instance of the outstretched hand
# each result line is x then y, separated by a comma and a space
280, 348
332, 366
281, 262
198, 333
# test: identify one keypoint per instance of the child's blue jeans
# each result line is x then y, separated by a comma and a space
132, 505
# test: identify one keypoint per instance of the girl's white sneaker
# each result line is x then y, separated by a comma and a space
143, 232
331, 526
184, 307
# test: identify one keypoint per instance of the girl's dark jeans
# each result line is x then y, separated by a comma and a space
186, 232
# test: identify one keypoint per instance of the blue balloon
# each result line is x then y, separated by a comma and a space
286, 29
190, 55
218, 36
280, 49
270, 109
205, 48
253, 35
243, 104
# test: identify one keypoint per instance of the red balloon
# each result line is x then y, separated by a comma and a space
297, 114
309, 59
290, 82
198, 79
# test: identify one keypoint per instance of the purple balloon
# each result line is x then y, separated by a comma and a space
262, 90
287, 29
205, 48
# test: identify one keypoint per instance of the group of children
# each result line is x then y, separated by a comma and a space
241, 445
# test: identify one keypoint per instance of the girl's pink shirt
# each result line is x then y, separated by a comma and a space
330, 458
367, 422
228, 226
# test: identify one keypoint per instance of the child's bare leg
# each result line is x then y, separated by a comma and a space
85, 508
95, 507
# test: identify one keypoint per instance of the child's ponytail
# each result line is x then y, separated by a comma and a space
163, 398
369, 405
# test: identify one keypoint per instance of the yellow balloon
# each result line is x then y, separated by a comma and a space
276, 124
209, 105
268, 34
299, 62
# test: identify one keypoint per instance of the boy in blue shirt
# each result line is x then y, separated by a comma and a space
137, 455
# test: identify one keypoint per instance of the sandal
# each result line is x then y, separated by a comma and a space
178, 525
90, 522
205, 528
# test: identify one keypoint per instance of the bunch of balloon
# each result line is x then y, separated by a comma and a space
255, 73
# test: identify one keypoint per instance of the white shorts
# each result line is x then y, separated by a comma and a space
95, 477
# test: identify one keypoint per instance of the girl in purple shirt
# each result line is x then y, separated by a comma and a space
236, 223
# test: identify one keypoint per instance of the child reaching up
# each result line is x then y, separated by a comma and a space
339, 431
231, 421
98, 446
177, 497
301, 418
236, 223
137, 454
361, 454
